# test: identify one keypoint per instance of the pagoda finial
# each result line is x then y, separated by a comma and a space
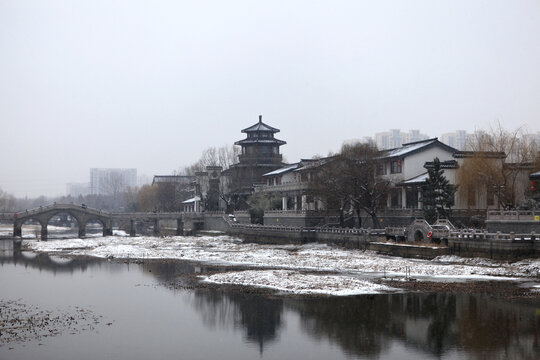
260, 119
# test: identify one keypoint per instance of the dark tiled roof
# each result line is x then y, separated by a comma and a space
260, 141
260, 126
413, 147
480, 154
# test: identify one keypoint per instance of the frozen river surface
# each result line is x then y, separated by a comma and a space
305, 269
65, 300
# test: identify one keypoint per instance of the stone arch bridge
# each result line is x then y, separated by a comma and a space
84, 215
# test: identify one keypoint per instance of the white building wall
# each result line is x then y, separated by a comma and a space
413, 165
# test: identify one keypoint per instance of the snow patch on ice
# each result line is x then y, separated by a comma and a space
312, 257
298, 283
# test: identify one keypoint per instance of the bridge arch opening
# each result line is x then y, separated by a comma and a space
94, 227
31, 229
63, 225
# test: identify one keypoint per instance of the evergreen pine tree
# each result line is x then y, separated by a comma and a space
437, 194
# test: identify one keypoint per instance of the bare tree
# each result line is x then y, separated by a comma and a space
258, 203
112, 184
367, 190
329, 185
499, 163
223, 156
147, 198
7, 201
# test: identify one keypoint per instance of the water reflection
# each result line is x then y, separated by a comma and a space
12, 254
433, 325
259, 317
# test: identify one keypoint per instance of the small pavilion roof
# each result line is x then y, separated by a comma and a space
192, 200
283, 170
260, 126
417, 180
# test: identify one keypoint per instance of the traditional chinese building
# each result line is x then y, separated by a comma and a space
259, 155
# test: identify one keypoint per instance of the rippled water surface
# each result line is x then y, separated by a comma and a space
142, 311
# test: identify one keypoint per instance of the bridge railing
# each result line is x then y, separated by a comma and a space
479, 235
70, 206
327, 230
522, 215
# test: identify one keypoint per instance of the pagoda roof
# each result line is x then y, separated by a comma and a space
260, 126
260, 141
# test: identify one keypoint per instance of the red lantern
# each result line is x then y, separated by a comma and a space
399, 163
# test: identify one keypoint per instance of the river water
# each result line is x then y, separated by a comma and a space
117, 310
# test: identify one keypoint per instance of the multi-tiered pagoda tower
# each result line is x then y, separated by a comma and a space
260, 155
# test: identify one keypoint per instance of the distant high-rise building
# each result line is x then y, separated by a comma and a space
111, 181
77, 189
394, 138
534, 139
458, 139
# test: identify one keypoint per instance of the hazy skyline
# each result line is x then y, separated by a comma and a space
149, 85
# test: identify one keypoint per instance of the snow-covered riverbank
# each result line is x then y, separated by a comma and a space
311, 268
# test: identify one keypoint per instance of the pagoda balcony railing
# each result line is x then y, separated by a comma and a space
260, 159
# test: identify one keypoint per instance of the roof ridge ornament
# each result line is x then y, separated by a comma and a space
260, 119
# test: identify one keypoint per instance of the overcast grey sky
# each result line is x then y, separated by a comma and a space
150, 84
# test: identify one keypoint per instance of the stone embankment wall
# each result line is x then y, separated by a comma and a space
508, 226
494, 245
362, 239
243, 217
463, 243
409, 251
216, 222
518, 222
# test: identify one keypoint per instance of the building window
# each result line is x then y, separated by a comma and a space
395, 198
411, 197
381, 169
395, 166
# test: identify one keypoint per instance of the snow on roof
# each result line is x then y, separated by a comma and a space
260, 141
314, 163
283, 170
407, 148
192, 200
260, 126
420, 179
535, 175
